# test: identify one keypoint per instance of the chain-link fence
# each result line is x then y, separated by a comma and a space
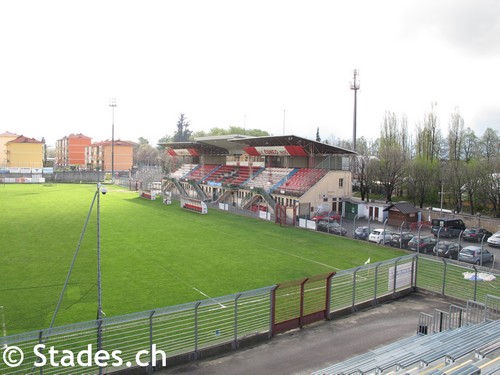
194, 330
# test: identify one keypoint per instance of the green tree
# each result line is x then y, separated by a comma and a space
183, 134
230, 131
318, 138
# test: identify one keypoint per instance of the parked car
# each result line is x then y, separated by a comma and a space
424, 244
447, 227
401, 240
333, 228
447, 249
361, 233
472, 254
326, 216
476, 234
494, 240
380, 236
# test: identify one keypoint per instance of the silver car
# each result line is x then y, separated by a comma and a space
380, 236
494, 240
472, 254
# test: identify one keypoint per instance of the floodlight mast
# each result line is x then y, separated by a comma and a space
112, 104
355, 87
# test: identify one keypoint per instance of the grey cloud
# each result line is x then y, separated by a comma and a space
470, 25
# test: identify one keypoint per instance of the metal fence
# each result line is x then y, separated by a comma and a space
195, 330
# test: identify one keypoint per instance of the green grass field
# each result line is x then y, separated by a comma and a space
153, 255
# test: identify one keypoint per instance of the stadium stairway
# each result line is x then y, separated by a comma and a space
471, 349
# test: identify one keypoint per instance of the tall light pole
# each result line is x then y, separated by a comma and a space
112, 104
99, 285
355, 87
284, 113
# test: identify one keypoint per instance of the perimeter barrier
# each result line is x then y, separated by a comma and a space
178, 334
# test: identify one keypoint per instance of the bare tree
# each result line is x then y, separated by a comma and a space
391, 163
145, 154
428, 137
470, 145
455, 136
363, 168
489, 146
390, 169
421, 177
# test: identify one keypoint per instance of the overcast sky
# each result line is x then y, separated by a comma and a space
281, 66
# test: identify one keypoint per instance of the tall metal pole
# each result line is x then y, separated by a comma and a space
99, 290
355, 87
112, 104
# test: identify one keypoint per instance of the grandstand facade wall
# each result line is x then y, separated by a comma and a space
327, 194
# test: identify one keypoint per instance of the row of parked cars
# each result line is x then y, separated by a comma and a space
430, 245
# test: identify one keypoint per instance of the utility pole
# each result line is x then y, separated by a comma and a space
112, 104
355, 87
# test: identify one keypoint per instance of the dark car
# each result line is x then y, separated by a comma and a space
333, 228
476, 234
447, 249
361, 233
423, 244
473, 254
401, 240
447, 227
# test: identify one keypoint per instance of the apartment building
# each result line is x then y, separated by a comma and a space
70, 151
102, 155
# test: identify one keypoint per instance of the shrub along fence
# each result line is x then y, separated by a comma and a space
167, 336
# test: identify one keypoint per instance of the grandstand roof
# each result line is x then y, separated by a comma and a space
310, 147
235, 144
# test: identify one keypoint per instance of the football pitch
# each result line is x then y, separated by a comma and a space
152, 255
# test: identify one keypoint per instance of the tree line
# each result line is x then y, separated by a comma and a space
429, 167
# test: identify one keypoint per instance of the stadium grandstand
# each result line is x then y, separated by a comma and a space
296, 175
